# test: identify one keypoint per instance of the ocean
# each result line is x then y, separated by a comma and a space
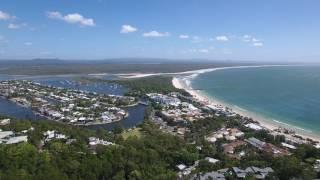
288, 96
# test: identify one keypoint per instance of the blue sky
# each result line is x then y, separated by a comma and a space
273, 30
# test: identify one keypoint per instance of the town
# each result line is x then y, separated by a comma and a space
174, 113
223, 140
67, 105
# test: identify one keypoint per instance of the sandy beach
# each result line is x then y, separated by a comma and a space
193, 72
183, 81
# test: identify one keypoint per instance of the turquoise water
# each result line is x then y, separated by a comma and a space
288, 94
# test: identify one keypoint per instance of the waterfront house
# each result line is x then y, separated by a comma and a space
254, 126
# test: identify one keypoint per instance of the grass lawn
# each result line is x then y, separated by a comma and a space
134, 132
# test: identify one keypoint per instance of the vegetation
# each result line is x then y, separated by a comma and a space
152, 84
151, 156
54, 67
136, 132
142, 153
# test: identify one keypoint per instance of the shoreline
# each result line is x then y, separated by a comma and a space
193, 72
183, 82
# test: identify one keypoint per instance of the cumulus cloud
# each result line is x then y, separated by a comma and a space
73, 18
155, 34
258, 44
183, 36
222, 38
128, 29
5, 16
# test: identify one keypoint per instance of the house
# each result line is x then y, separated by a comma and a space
17, 139
93, 141
49, 135
288, 145
229, 148
163, 99
261, 173
254, 126
181, 167
236, 132
211, 160
4, 134
256, 142
240, 173
210, 176
211, 139
4, 122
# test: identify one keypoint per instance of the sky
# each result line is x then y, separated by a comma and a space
270, 30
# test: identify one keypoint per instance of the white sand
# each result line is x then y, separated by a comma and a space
183, 82
193, 72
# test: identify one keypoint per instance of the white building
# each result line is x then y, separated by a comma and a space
254, 126
17, 139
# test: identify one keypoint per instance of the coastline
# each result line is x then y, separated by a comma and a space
183, 82
193, 72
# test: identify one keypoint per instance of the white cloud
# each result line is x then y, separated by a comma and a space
183, 36
73, 18
246, 38
258, 44
128, 29
155, 34
5, 16
222, 38
203, 50
249, 38
16, 26
28, 43
255, 40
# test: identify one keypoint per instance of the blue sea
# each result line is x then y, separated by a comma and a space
285, 95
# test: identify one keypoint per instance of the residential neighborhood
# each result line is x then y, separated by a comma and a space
67, 105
